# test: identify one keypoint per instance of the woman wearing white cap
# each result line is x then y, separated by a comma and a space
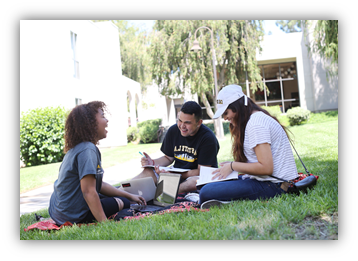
261, 151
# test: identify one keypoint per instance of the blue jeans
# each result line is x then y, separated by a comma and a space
240, 189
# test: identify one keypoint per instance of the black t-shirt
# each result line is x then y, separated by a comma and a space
188, 152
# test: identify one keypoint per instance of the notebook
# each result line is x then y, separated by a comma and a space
165, 194
205, 176
169, 169
144, 187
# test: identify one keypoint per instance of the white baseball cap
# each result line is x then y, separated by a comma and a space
226, 96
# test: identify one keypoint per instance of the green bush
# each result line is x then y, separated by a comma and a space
148, 130
226, 126
297, 115
132, 134
42, 135
273, 110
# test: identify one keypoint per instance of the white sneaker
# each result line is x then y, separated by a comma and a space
193, 197
213, 203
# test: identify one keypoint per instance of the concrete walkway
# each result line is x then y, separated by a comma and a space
37, 199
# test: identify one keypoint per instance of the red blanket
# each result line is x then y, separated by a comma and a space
179, 207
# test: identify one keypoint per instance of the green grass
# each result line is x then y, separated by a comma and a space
38, 176
308, 216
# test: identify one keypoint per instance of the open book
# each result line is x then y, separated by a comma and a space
169, 169
206, 175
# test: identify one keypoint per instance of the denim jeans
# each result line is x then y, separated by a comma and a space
240, 189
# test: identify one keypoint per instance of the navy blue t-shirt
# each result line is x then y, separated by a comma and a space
189, 152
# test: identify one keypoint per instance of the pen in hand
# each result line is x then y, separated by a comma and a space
149, 160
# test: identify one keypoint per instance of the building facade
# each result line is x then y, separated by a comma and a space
70, 62
293, 76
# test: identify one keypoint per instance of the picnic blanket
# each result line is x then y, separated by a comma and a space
125, 214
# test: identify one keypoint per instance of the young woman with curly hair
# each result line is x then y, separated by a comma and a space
80, 195
261, 151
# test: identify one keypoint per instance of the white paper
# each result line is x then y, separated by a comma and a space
169, 169
206, 175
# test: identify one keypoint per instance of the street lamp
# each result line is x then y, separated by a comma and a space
195, 48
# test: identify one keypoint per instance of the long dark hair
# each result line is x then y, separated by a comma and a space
81, 124
241, 118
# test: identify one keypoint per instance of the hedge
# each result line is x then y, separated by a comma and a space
297, 115
42, 135
148, 130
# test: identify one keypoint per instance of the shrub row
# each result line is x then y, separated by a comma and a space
147, 131
42, 135
42, 131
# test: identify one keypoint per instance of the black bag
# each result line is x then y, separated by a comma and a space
302, 183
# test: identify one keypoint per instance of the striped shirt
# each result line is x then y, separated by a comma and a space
260, 129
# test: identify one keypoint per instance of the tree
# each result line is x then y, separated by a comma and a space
290, 26
325, 43
325, 39
134, 46
175, 68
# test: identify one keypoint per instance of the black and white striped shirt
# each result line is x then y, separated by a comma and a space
260, 129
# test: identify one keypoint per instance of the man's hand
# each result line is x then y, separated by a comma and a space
147, 160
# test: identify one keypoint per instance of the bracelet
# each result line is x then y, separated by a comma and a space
231, 166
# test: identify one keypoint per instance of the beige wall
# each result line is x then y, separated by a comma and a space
316, 93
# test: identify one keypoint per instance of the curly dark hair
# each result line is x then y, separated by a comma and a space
81, 124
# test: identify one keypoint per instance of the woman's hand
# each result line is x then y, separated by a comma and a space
223, 163
147, 160
138, 199
222, 172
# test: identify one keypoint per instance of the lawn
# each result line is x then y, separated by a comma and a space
308, 216
38, 176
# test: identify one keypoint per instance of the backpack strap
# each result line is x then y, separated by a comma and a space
300, 159
296, 187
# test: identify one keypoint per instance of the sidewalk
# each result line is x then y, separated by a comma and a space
39, 198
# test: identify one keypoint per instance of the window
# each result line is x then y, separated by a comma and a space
78, 101
281, 81
76, 73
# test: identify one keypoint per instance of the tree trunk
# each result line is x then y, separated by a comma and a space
209, 111
218, 126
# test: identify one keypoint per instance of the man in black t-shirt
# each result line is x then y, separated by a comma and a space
190, 144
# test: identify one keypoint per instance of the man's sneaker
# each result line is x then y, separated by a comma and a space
193, 197
212, 203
